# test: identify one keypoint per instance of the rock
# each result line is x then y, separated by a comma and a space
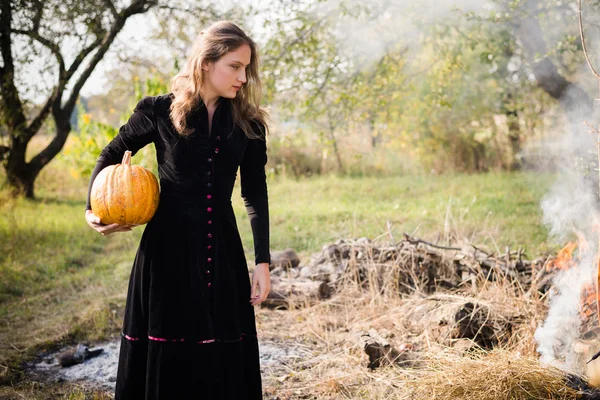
286, 259
287, 293
382, 352
306, 272
78, 355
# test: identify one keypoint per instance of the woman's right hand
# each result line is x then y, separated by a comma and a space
94, 221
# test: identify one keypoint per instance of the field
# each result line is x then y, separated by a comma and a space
62, 283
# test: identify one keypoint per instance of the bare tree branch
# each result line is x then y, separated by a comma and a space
569, 95
112, 8
106, 42
53, 47
136, 7
64, 75
290, 45
62, 132
81, 56
585, 52
37, 122
56, 95
38, 16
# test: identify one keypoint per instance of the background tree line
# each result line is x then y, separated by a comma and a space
380, 88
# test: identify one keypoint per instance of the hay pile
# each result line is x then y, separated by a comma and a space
489, 376
413, 320
413, 265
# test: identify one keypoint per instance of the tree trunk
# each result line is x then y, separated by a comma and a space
21, 175
573, 99
18, 174
480, 163
374, 136
335, 149
514, 136
22, 182
289, 293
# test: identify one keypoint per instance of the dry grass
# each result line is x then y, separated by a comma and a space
444, 367
36, 391
488, 376
333, 365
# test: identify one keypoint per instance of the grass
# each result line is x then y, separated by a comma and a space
492, 209
336, 367
61, 282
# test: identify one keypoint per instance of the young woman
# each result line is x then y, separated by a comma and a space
189, 328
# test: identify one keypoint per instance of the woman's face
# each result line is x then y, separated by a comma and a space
226, 76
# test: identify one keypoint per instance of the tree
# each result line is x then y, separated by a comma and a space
65, 39
517, 59
544, 37
318, 77
51, 24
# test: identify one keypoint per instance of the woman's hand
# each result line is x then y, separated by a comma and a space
261, 283
94, 221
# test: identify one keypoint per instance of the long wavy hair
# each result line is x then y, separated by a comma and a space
213, 43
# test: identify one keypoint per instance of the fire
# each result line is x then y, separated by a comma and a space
588, 298
564, 258
564, 261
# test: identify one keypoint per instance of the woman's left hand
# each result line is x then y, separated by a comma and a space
261, 283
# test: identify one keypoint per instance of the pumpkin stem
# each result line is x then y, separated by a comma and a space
126, 158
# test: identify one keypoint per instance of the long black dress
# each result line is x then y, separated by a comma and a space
189, 329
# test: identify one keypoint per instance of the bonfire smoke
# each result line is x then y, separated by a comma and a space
562, 326
570, 210
368, 36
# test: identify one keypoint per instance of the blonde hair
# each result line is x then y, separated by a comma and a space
213, 43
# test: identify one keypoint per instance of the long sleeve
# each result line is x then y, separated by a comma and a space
136, 133
254, 193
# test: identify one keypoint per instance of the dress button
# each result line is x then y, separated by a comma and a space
209, 159
209, 259
209, 222
208, 284
207, 272
217, 150
209, 247
209, 235
208, 173
209, 209
208, 196
209, 184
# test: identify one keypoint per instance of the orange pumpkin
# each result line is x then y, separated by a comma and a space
125, 194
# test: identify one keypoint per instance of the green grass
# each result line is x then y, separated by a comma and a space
46, 243
490, 210
62, 282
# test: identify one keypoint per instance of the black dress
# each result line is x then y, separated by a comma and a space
189, 330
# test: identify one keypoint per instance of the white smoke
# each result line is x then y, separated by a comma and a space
570, 209
384, 24
562, 326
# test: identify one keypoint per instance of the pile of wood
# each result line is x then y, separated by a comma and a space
406, 267
441, 288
